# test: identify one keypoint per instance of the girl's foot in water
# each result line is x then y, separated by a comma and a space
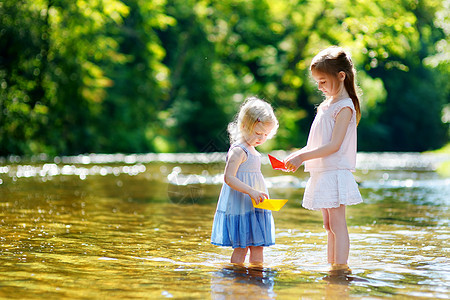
340, 269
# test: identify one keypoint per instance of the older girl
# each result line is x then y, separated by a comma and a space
330, 153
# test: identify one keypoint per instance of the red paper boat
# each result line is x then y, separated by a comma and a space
277, 164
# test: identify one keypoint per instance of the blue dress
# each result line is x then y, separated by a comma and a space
236, 222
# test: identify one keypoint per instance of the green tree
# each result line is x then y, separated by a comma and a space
52, 84
136, 76
23, 77
194, 118
139, 81
417, 92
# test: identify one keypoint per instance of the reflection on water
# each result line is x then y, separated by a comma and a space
138, 226
240, 281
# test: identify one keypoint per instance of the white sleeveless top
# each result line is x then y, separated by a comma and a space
320, 134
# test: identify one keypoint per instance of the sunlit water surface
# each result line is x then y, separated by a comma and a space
138, 226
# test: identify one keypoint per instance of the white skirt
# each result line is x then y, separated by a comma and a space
330, 189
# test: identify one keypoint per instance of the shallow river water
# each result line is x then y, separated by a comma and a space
138, 227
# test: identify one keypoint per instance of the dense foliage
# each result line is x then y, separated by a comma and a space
137, 76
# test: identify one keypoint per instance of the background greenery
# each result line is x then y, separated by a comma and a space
167, 76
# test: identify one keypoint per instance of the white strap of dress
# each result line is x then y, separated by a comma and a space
240, 146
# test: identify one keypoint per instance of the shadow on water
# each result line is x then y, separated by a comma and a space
338, 286
239, 281
260, 282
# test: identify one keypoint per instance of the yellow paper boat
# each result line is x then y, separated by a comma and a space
271, 204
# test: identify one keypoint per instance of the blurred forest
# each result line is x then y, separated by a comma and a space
136, 76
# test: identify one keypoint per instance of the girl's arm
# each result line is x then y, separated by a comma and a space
235, 158
294, 154
340, 129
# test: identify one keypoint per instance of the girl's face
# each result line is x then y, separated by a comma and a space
259, 134
330, 85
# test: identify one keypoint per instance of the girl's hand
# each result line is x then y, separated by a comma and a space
258, 196
293, 163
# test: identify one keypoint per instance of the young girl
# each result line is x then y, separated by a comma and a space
236, 222
330, 153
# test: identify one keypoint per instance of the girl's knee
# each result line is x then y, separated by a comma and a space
240, 250
326, 220
256, 248
326, 226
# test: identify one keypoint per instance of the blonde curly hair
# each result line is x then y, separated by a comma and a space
252, 111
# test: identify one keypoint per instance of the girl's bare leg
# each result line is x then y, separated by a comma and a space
256, 255
331, 238
338, 226
238, 256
